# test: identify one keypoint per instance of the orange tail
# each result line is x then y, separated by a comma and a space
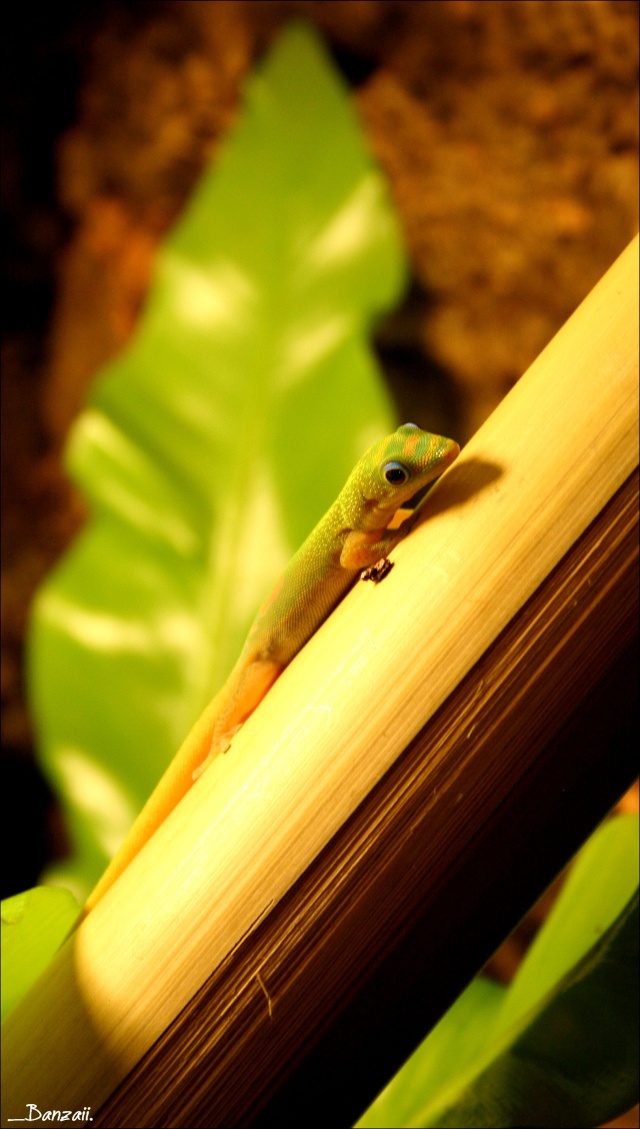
175, 783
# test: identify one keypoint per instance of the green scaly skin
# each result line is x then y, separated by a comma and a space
352, 536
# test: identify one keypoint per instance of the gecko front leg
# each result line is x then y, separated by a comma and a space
378, 571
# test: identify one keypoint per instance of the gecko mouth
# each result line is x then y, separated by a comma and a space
445, 462
449, 457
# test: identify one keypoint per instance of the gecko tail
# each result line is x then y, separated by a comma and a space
221, 745
245, 688
191, 758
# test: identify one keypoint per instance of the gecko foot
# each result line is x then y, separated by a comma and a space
220, 745
378, 571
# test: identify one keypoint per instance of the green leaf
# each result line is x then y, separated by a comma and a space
596, 892
560, 1046
451, 1048
213, 445
34, 925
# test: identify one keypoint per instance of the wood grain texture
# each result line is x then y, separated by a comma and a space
428, 875
182, 919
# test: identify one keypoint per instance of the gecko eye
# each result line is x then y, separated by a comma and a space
395, 473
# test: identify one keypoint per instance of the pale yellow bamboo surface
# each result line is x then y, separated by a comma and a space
523, 490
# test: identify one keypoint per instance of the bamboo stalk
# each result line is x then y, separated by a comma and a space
428, 876
522, 493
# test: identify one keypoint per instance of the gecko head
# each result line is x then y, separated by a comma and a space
398, 467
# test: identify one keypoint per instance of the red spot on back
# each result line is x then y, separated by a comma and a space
273, 595
410, 444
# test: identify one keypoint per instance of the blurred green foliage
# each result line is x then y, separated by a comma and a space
213, 445
34, 925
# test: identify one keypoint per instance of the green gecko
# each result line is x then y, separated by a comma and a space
353, 535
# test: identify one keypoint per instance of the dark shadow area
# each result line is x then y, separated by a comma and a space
462, 482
